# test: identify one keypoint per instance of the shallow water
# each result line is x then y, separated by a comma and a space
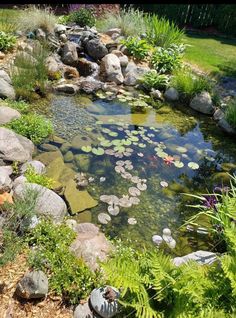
179, 132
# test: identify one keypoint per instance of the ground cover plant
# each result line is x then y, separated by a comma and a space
7, 41
154, 80
33, 177
138, 48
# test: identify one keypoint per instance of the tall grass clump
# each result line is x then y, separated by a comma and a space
231, 112
33, 18
129, 20
162, 32
9, 20
189, 84
29, 72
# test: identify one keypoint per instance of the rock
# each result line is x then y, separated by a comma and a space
218, 114
14, 147
63, 38
5, 180
202, 103
78, 200
88, 68
171, 94
70, 72
60, 28
7, 114
40, 35
19, 180
224, 125
83, 161
53, 42
53, 67
90, 85
27, 57
122, 57
156, 94
101, 305
111, 69
112, 31
48, 202
201, 257
65, 147
69, 157
38, 166
4, 75
2, 55
48, 147
48, 157
96, 49
58, 140
78, 141
55, 168
6, 90
85, 216
133, 73
33, 285
90, 244
69, 54
67, 88
83, 311
221, 178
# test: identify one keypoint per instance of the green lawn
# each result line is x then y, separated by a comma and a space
216, 55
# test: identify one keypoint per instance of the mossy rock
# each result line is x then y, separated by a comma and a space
228, 166
169, 193
48, 157
221, 177
55, 168
69, 157
84, 217
83, 101
58, 140
65, 147
78, 200
83, 161
66, 175
48, 147
80, 141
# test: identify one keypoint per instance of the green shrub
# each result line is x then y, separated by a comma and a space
33, 18
19, 105
83, 17
137, 47
68, 275
33, 177
231, 112
32, 126
129, 20
167, 60
7, 41
154, 80
162, 32
63, 19
189, 84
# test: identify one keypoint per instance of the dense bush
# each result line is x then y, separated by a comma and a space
154, 80
189, 84
68, 276
136, 47
33, 177
32, 126
167, 60
83, 17
231, 112
7, 41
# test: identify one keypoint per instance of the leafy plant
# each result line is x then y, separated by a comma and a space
63, 19
231, 112
33, 18
68, 275
154, 80
7, 41
189, 84
137, 47
167, 60
19, 105
83, 17
162, 32
32, 126
33, 177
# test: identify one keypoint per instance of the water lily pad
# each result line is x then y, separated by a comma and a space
181, 149
133, 191
127, 142
134, 200
120, 162
98, 151
100, 138
119, 148
141, 145
178, 164
105, 143
88, 128
104, 218
193, 165
99, 122
86, 148
116, 142
111, 120
133, 138
106, 130
113, 210
164, 184
132, 221
119, 169
142, 186
113, 134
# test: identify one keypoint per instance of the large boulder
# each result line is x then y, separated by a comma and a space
223, 123
67, 88
91, 245
4, 75
133, 73
48, 202
53, 67
33, 285
96, 49
171, 94
111, 70
69, 54
88, 68
122, 57
201, 257
38, 166
7, 114
202, 103
14, 147
6, 89
89, 85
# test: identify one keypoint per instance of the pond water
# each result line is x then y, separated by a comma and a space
164, 153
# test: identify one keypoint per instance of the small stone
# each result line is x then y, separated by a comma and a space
69, 157
83, 311
157, 239
171, 94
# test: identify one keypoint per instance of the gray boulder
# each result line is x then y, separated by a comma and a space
202, 103
38, 166
63, 38
156, 94
83, 311
48, 202
6, 89
133, 73
224, 125
60, 28
171, 94
14, 147
4, 75
33, 285
201, 257
96, 49
88, 68
122, 57
5, 180
90, 244
40, 35
111, 70
52, 65
7, 114
67, 88
89, 85
110, 32
69, 54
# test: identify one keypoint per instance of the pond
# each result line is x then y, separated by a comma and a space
154, 157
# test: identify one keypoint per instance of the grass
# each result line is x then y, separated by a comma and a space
231, 112
9, 20
213, 54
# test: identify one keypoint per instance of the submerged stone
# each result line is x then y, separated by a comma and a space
48, 157
65, 147
220, 177
69, 157
78, 200
48, 147
83, 161
80, 140
84, 216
